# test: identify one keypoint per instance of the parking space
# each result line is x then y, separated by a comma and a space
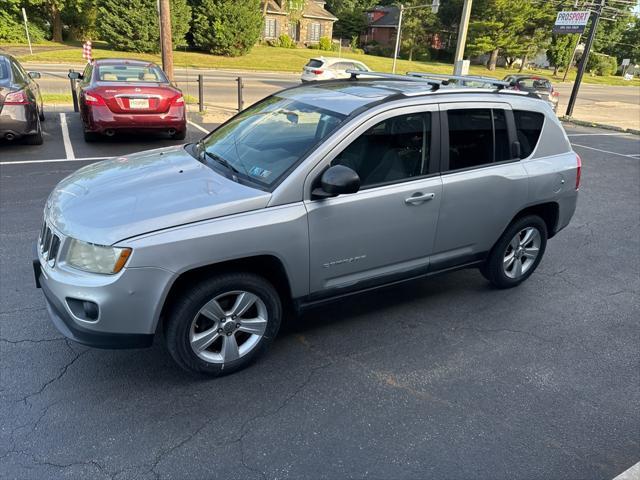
63, 140
440, 378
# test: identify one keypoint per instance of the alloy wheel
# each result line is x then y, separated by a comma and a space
228, 327
521, 252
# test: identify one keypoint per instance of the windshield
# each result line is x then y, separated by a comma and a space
131, 73
534, 84
266, 140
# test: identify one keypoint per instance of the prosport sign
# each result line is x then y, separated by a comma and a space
571, 22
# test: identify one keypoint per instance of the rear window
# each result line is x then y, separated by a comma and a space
315, 63
534, 84
528, 128
130, 73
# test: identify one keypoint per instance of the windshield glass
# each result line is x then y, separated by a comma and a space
266, 140
534, 84
131, 73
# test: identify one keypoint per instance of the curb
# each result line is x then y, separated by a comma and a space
583, 123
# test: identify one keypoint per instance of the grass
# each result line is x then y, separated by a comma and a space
263, 58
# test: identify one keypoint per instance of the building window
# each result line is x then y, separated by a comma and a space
314, 32
269, 27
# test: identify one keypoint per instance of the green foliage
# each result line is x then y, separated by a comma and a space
560, 50
325, 44
417, 26
12, 25
133, 25
629, 46
285, 41
601, 64
351, 23
80, 16
226, 27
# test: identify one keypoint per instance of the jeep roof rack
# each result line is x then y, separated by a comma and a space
500, 84
435, 84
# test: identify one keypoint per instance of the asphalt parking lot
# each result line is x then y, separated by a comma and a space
442, 378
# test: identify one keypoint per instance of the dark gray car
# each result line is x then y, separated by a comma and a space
20, 103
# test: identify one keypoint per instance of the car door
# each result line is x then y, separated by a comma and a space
386, 230
484, 183
81, 86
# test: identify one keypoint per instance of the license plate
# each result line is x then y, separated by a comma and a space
138, 103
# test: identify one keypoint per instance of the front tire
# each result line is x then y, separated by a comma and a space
517, 253
223, 324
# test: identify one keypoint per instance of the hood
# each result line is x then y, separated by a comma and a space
127, 196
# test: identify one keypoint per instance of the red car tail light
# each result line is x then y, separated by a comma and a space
317, 72
177, 100
93, 99
578, 171
16, 98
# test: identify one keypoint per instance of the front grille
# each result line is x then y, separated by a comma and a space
49, 244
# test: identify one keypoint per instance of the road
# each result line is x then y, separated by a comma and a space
442, 378
606, 104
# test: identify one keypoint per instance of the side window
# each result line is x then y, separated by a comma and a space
86, 75
470, 138
477, 137
393, 150
528, 128
17, 74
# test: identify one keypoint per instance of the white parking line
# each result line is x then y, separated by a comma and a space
55, 160
68, 148
605, 151
619, 134
193, 124
632, 473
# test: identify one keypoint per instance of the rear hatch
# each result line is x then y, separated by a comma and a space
143, 97
313, 67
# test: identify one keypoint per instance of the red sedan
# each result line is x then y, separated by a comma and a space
128, 95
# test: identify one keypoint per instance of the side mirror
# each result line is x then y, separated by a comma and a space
35, 75
75, 75
337, 180
516, 150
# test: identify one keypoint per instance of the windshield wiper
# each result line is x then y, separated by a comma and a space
223, 162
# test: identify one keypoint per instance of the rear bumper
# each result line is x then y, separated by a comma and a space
99, 119
18, 120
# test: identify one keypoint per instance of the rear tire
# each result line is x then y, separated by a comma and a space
35, 139
209, 331
180, 135
517, 253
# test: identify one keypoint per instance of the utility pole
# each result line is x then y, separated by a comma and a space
396, 51
165, 38
585, 57
462, 38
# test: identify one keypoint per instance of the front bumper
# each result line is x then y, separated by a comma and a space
129, 304
100, 119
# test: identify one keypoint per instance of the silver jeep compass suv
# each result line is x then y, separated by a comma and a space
314, 192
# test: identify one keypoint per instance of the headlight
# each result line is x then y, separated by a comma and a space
96, 258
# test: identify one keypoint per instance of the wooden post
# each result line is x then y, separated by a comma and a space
165, 38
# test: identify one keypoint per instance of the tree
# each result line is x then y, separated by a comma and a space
629, 45
11, 24
351, 24
226, 27
497, 28
133, 25
80, 16
560, 51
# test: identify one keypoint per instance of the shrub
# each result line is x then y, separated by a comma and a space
325, 44
285, 41
226, 27
601, 64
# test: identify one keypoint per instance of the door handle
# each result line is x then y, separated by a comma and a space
418, 198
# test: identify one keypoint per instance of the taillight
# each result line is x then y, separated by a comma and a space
578, 171
177, 100
17, 98
317, 72
93, 99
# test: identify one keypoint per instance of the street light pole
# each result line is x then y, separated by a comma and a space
396, 51
165, 38
462, 37
585, 57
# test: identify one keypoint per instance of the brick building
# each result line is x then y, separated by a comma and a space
305, 21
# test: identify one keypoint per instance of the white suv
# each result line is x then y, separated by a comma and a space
330, 68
